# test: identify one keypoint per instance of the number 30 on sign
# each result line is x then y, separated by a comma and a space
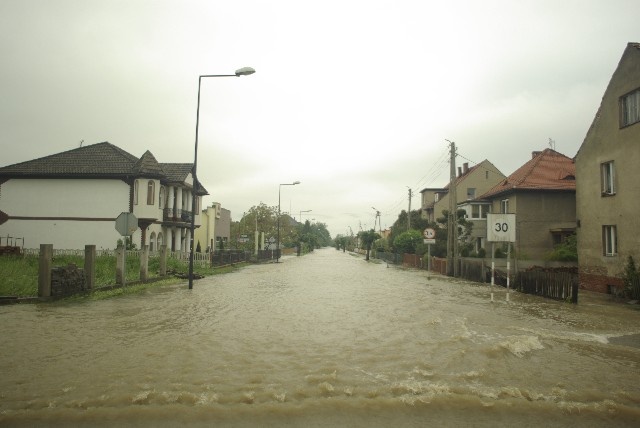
501, 227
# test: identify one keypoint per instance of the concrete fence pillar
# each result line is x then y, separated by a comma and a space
121, 266
89, 266
144, 263
163, 260
44, 270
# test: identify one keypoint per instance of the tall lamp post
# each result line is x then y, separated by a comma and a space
303, 211
244, 71
279, 188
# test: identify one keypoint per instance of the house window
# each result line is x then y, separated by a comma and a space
479, 211
135, 192
504, 206
161, 198
607, 174
630, 108
151, 192
152, 242
609, 240
471, 193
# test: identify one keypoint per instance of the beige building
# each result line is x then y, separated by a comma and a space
608, 186
216, 228
542, 195
470, 183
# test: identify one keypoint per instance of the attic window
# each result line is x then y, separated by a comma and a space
630, 108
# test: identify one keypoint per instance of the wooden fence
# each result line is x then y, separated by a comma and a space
553, 285
559, 285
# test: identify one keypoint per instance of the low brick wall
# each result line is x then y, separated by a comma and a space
600, 283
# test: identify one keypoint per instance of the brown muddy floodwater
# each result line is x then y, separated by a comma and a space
321, 340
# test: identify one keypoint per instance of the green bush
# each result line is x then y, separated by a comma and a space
565, 252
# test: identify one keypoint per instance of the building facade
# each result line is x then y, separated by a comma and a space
73, 198
216, 228
608, 187
542, 195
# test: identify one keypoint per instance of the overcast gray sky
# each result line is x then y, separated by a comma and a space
354, 98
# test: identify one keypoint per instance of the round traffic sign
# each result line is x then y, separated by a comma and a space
429, 233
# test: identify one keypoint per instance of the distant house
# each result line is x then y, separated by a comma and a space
470, 183
542, 195
215, 229
608, 192
72, 198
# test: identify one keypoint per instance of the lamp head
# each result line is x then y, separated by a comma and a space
245, 71
296, 182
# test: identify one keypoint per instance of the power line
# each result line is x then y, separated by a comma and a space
433, 172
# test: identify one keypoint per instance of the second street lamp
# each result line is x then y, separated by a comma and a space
244, 71
278, 242
303, 211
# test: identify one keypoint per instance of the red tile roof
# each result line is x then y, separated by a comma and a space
547, 170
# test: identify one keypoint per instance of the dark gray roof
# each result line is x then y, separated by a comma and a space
176, 172
101, 160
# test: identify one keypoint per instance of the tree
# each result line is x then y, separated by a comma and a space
367, 239
313, 235
465, 244
407, 242
400, 225
261, 216
341, 243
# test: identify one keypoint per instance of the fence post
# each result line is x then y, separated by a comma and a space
144, 263
89, 266
121, 266
163, 260
44, 270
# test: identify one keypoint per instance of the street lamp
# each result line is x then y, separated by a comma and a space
304, 211
244, 71
280, 187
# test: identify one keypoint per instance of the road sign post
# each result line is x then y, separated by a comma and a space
429, 238
501, 228
126, 224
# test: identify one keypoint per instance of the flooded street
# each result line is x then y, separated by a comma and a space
321, 340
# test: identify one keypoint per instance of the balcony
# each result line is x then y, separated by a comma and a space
176, 216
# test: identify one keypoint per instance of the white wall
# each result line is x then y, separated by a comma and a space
96, 202
64, 198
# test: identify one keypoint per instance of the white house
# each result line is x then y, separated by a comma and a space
73, 198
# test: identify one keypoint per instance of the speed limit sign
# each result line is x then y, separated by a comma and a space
501, 227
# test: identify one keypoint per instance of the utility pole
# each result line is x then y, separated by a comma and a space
452, 230
409, 212
377, 218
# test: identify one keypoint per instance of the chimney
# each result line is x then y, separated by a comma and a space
465, 168
459, 172
535, 154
